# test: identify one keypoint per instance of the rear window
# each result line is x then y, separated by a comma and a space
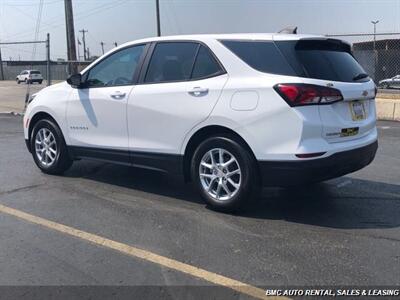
328, 59
321, 59
35, 72
260, 55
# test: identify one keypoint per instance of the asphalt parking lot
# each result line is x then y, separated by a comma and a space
344, 232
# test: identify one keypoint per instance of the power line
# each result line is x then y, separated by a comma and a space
39, 18
77, 16
30, 4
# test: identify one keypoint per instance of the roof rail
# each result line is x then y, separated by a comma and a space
289, 30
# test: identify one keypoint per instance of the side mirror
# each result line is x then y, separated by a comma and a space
75, 80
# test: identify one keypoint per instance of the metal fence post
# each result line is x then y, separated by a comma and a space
1, 68
48, 69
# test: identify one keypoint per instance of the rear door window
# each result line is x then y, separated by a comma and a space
171, 61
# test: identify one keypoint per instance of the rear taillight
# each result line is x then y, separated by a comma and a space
298, 94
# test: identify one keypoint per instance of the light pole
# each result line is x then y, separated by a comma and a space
375, 54
375, 22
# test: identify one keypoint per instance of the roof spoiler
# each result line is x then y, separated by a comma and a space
289, 30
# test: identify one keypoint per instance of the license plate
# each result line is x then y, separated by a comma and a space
357, 110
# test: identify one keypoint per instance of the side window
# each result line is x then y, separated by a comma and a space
171, 61
117, 69
205, 65
263, 56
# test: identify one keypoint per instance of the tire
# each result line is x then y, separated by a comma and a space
40, 81
246, 182
57, 161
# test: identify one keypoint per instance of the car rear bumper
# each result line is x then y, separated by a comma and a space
291, 173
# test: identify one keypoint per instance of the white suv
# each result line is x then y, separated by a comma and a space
29, 76
228, 112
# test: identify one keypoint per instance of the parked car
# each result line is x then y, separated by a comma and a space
393, 82
29, 76
227, 112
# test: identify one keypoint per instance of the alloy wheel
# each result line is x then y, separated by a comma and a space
45, 147
220, 174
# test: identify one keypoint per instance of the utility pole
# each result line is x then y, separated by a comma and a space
48, 71
102, 47
88, 53
375, 22
1, 68
69, 22
158, 17
79, 54
84, 44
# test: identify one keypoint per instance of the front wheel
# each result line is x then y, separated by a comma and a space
224, 173
48, 148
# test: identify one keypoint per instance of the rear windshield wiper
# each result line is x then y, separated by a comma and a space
360, 76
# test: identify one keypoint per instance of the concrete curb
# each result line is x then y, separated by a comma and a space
11, 113
388, 109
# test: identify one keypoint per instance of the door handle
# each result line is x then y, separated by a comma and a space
118, 95
198, 92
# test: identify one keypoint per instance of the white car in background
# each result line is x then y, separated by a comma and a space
393, 82
29, 76
228, 112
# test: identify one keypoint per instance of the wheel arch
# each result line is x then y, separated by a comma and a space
204, 133
36, 118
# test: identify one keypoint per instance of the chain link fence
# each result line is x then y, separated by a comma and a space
59, 70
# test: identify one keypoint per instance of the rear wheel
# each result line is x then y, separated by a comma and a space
17, 80
224, 173
49, 150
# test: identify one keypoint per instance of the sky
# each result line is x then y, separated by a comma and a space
120, 21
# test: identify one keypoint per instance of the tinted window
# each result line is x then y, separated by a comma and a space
117, 69
205, 65
262, 56
35, 72
171, 62
326, 59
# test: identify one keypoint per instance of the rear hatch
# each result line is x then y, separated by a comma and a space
329, 62
35, 75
